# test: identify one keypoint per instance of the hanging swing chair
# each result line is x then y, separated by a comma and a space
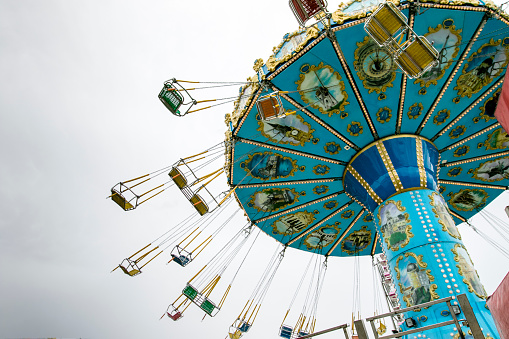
181, 256
124, 194
306, 9
250, 311
200, 300
176, 98
131, 266
191, 194
173, 313
387, 27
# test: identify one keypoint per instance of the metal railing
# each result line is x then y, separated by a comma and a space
465, 307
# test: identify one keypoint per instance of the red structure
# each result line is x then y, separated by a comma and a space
499, 301
502, 111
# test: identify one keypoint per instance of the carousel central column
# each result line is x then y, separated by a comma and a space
396, 179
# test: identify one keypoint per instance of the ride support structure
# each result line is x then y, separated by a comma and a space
423, 247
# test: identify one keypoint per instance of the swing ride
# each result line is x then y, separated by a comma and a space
371, 131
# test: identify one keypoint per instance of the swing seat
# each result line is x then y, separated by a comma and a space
190, 292
385, 23
305, 9
178, 178
121, 201
182, 260
286, 332
235, 335
302, 333
171, 99
176, 316
199, 204
209, 307
270, 107
244, 327
417, 57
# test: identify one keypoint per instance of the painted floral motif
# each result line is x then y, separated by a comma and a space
444, 217
321, 169
455, 171
269, 165
322, 88
291, 130
468, 199
461, 151
441, 117
293, 223
482, 67
494, 170
329, 205
394, 224
332, 148
496, 140
368, 218
322, 189
354, 128
322, 237
446, 39
414, 280
415, 110
467, 271
347, 214
457, 132
384, 115
357, 241
273, 199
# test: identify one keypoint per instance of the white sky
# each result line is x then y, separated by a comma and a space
79, 112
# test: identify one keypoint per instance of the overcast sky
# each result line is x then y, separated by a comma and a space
79, 112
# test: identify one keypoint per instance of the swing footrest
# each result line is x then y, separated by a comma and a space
286, 332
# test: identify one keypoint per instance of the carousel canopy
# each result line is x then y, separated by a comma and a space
306, 169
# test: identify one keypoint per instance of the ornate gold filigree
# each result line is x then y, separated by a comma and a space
419, 260
467, 271
273, 61
338, 84
322, 237
364, 54
279, 197
501, 171
360, 238
406, 222
452, 230
423, 81
471, 82
294, 223
299, 137
245, 164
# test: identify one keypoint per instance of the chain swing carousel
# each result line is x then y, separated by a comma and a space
371, 131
